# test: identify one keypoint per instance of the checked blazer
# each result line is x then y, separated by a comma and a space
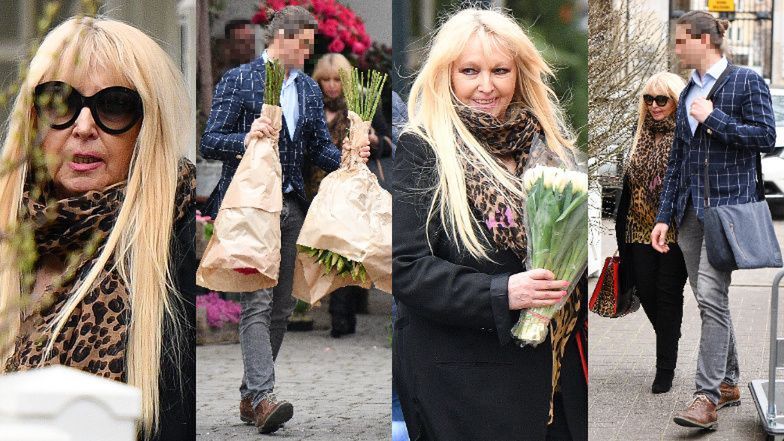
237, 103
740, 126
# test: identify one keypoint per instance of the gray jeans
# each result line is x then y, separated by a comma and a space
717, 360
265, 313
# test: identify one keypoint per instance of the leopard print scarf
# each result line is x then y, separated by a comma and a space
504, 215
645, 172
74, 230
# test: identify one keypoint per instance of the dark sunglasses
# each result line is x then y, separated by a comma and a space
115, 109
661, 100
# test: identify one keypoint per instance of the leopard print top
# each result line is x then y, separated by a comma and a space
74, 230
645, 172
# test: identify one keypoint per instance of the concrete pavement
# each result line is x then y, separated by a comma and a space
340, 388
622, 365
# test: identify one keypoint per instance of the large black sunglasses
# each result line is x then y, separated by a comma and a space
661, 100
115, 109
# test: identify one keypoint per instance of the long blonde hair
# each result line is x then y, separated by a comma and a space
330, 63
434, 118
140, 239
662, 83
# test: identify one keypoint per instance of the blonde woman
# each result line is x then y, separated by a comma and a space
478, 103
114, 231
658, 279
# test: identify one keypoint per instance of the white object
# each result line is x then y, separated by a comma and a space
71, 404
31, 432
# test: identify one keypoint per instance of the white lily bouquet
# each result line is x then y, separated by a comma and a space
556, 229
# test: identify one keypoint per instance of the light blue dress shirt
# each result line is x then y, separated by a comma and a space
702, 86
289, 102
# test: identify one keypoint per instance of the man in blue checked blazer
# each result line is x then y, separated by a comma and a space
723, 135
234, 120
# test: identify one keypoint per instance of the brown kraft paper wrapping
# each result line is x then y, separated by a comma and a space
351, 215
247, 228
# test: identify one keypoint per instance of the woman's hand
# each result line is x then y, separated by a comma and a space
531, 289
659, 237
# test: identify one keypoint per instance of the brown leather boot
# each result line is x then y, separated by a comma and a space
700, 413
730, 396
246, 411
270, 414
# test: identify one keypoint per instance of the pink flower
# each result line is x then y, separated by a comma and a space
324, 7
219, 311
337, 45
329, 28
358, 48
276, 4
260, 17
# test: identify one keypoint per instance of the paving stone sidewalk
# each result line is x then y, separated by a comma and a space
340, 388
622, 366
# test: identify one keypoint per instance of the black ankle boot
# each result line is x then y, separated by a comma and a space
342, 326
663, 381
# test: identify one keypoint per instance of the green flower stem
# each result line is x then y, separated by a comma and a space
558, 233
274, 82
362, 93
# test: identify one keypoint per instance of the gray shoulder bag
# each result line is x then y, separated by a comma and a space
740, 236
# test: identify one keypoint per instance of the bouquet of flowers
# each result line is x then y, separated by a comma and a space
244, 251
556, 224
346, 238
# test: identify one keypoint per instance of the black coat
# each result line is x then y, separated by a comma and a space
455, 367
178, 358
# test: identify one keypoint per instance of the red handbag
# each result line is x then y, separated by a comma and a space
605, 298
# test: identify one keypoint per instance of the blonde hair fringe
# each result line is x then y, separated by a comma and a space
140, 239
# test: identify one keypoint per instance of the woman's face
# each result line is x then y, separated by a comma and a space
331, 84
659, 113
484, 81
83, 157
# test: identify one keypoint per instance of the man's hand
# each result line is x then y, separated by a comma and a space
659, 238
260, 128
700, 109
364, 151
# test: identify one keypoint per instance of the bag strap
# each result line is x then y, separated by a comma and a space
730, 67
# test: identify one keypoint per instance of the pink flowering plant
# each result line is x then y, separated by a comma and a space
219, 311
339, 27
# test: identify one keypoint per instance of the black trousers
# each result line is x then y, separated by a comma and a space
659, 279
343, 308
